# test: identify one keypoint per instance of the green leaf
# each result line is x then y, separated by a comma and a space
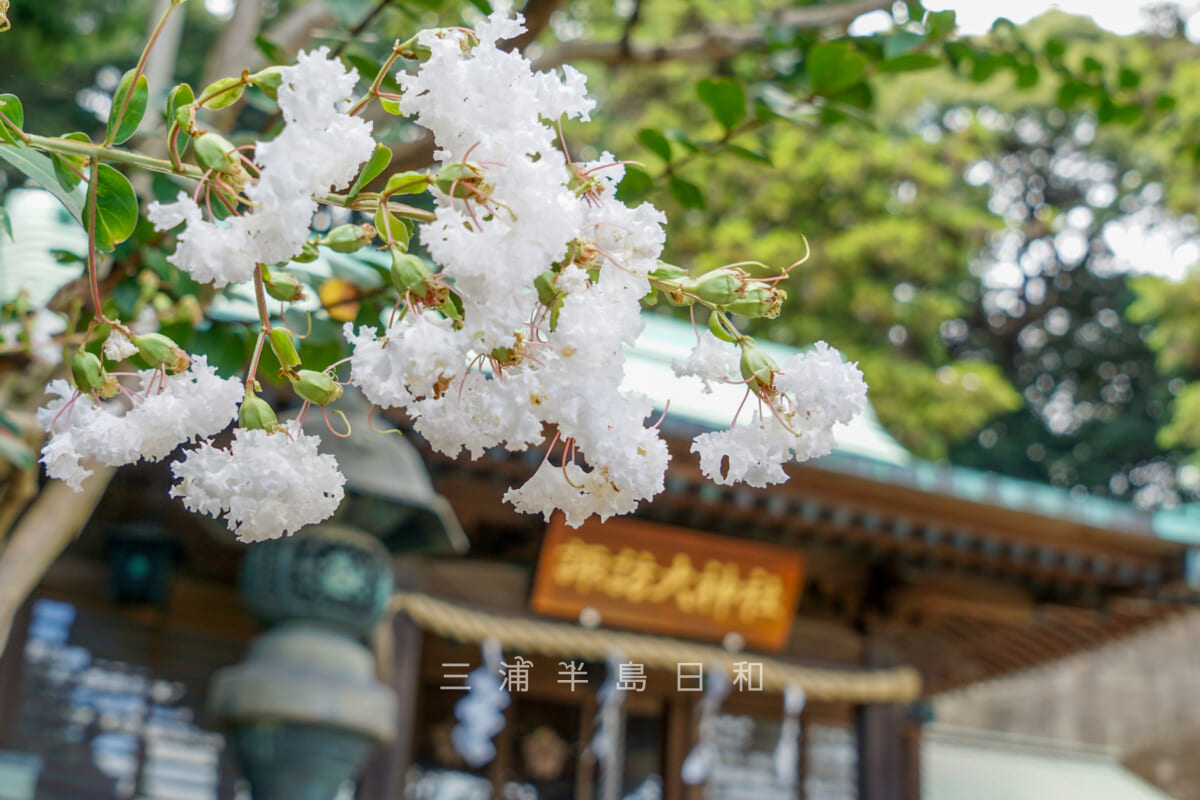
1129, 114
1055, 49
940, 23
483, 5
676, 135
901, 42
377, 164
68, 168
1093, 66
5, 222
1071, 92
67, 257
128, 108
984, 67
391, 106
725, 97
10, 106
116, 208
634, 186
1027, 75
1128, 78
748, 154
656, 143
273, 52
40, 170
686, 193
401, 228
222, 93
910, 62
410, 182
835, 66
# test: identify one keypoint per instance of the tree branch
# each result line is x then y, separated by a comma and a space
715, 44
52, 523
537, 15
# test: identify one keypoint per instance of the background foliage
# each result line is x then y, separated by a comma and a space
959, 197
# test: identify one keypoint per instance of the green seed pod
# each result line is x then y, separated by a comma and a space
89, 377
760, 300
161, 351
268, 80
317, 388
284, 348
308, 253
668, 272
283, 286
719, 287
410, 274
217, 153
256, 414
348, 238
758, 369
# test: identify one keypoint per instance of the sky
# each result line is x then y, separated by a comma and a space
976, 16
1118, 16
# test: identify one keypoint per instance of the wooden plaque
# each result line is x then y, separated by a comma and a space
663, 579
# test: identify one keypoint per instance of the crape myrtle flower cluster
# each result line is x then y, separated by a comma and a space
514, 336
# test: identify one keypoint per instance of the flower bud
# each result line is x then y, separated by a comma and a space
268, 80
89, 377
161, 351
758, 369
284, 348
188, 310
317, 388
147, 283
760, 300
282, 286
256, 414
410, 274
348, 238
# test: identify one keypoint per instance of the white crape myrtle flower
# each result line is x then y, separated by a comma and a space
117, 346
418, 356
816, 390
711, 360
165, 412
266, 484
511, 211
487, 106
321, 147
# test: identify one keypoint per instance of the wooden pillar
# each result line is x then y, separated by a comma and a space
11, 662
888, 740
881, 763
384, 776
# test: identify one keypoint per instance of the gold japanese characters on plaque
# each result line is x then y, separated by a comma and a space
663, 579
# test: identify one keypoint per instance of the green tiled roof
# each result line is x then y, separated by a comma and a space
959, 764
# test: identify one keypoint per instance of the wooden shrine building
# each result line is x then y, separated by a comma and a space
872, 580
